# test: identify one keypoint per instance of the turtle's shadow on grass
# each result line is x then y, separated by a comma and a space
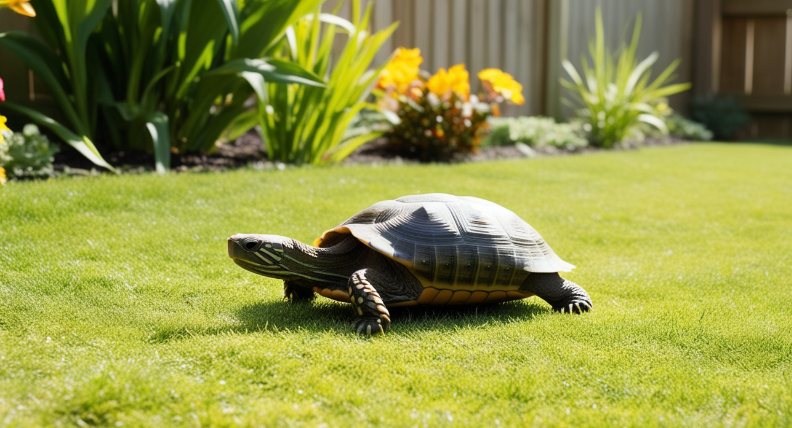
323, 316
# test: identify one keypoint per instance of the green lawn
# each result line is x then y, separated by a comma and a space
120, 306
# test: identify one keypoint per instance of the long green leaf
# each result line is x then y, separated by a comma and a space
36, 56
81, 144
157, 127
273, 70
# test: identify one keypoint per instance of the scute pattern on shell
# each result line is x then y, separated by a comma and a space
452, 239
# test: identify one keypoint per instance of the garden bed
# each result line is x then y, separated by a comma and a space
248, 150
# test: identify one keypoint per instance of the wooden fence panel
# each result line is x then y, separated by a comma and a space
732, 71
769, 55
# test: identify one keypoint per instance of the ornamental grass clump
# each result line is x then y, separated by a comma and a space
313, 125
615, 95
439, 118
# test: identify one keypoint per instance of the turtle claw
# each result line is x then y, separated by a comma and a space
577, 307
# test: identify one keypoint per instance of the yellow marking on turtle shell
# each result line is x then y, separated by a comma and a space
360, 311
360, 300
477, 297
459, 297
427, 296
368, 330
496, 296
442, 297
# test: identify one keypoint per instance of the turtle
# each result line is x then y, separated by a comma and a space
428, 249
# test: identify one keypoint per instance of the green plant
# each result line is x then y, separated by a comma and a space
27, 153
535, 131
682, 127
160, 75
305, 124
724, 116
616, 94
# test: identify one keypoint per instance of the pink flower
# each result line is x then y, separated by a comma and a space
2, 94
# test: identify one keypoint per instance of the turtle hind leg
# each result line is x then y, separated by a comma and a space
297, 293
562, 295
372, 315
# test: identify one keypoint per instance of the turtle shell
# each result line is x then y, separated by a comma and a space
452, 242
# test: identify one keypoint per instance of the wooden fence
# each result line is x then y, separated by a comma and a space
750, 59
529, 38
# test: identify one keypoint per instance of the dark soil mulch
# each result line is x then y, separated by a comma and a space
248, 150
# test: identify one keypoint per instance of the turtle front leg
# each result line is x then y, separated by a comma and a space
563, 295
373, 316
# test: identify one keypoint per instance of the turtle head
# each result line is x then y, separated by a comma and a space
261, 254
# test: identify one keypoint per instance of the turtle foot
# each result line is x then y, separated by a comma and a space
576, 305
369, 326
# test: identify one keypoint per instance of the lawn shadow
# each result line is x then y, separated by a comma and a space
321, 315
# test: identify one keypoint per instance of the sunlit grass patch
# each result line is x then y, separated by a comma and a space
119, 304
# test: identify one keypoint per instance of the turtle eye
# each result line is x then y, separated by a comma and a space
250, 245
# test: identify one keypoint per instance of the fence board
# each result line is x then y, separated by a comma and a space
459, 32
769, 58
478, 35
494, 41
422, 31
383, 17
440, 24
732, 72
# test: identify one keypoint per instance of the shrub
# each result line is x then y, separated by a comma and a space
27, 153
159, 75
722, 115
682, 127
438, 117
306, 124
616, 95
536, 131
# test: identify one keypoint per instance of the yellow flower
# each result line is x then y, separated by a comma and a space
498, 82
21, 7
3, 127
456, 79
401, 71
2, 176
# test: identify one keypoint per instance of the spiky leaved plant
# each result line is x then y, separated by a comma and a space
615, 94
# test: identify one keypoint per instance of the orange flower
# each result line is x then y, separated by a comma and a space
21, 7
401, 71
456, 79
498, 82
